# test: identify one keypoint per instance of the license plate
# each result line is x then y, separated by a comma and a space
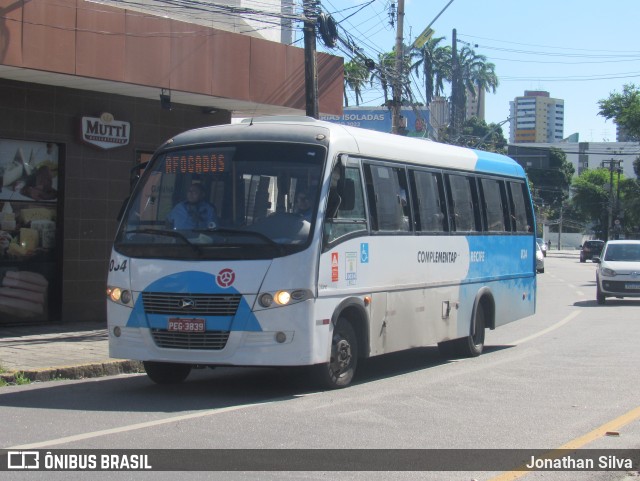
186, 325
632, 286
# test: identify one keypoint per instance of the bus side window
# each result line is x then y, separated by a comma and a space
494, 202
463, 215
348, 215
387, 193
520, 208
428, 201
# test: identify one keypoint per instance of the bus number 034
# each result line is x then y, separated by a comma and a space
117, 267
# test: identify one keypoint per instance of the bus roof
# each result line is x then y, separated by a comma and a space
351, 140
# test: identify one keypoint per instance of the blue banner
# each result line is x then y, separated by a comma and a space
379, 119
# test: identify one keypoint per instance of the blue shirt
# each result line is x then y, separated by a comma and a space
193, 216
306, 214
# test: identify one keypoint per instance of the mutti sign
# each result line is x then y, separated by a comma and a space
105, 132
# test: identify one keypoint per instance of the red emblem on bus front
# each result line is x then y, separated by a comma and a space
225, 277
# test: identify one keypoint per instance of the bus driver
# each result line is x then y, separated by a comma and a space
194, 212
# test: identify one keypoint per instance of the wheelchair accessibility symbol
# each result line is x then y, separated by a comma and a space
364, 253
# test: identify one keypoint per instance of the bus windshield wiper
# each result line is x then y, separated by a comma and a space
167, 233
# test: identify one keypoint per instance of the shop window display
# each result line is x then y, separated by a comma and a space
28, 229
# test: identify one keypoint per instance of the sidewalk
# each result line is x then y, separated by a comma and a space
59, 351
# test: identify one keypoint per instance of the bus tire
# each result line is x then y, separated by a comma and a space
340, 369
166, 372
468, 346
473, 344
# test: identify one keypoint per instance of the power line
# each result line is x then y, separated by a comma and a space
636, 52
573, 78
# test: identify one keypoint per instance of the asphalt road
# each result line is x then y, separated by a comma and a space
564, 378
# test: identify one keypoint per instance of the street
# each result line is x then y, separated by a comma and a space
564, 378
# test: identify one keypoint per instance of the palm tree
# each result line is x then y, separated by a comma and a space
435, 63
485, 79
355, 75
469, 64
384, 73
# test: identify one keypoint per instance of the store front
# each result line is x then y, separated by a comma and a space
29, 210
65, 166
86, 92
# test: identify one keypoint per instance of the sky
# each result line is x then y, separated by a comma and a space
580, 51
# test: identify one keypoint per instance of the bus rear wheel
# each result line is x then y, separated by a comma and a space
469, 346
166, 372
340, 369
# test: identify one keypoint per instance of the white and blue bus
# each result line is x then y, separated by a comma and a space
407, 243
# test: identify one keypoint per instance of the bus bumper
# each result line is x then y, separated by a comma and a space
280, 343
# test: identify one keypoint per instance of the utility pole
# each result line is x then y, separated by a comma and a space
454, 85
613, 164
397, 79
310, 65
560, 226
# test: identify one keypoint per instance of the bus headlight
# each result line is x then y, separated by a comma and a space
284, 297
266, 299
120, 296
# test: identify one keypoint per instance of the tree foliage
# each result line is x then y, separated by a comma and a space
356, 75
624, 109
595, 197
630, 204
476, 75
551, 183
476, 134
591, 196
434, 64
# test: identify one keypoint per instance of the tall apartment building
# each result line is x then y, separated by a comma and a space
536, 117
439, 113
475, 105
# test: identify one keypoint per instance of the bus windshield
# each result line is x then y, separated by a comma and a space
253, 200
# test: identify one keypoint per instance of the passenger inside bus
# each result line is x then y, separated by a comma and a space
194, 212
302, 206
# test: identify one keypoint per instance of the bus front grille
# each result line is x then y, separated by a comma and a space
210, 340
190, 304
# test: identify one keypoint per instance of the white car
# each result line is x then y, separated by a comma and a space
618, 273
539, 259
543, 246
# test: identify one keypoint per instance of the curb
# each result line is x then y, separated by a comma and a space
109, 368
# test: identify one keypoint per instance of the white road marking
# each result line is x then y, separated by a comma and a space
213, 412
548, 329
133, 427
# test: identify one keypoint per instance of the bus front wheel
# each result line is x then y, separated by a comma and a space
166, 372
340, 369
